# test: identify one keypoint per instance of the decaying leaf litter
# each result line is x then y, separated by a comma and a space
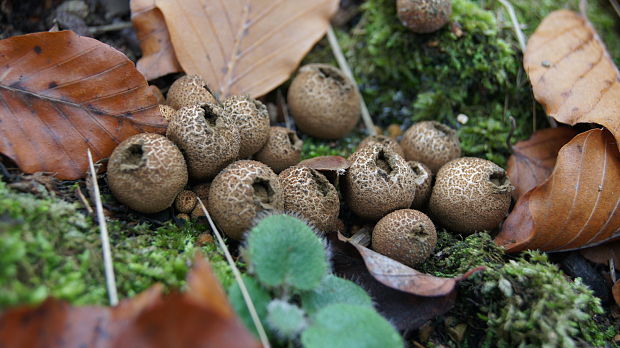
451, 327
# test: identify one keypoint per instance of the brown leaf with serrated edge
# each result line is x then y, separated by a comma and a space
532, 160
571, 72
61, 94
577, 206
244, 47
149, 319
158, 58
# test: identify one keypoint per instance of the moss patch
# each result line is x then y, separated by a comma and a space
48, 248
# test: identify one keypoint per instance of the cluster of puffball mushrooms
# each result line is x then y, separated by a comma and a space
240, 167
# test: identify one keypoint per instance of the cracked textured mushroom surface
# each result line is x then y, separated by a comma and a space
378, 182
208, 138
470, 194
431, 143
282, 149
424, 16
324, 102
309, 194
393, 144
167, 111
423, 182
185, 201
252, 119
189, 90
240, 192
407, 236
146, 172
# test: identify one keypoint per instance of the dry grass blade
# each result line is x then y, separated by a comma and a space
105, 239
244, 291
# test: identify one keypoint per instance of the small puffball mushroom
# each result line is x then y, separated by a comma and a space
166, 111
378, 181
407, 236
202, 191
423, 181
309, 194
282, 150
431, 143
424, 16
324, 102
470, 194
239, 192
185, 201
146, 172
207, 137
252, 119
189, 90
393, 144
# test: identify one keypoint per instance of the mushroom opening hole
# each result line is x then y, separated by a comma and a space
209, 114
334, 75
499, 179
383, 162
134, 155
321, 182
263, 193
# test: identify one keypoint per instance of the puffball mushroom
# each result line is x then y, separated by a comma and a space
282, 149
252, 119
146, 172
189, 90
424, 16
431, 143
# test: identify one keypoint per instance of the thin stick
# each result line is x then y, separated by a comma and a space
616, 6
244, 291
109, 27
282, 103
105, 240
84, 201
344, 66
516, 26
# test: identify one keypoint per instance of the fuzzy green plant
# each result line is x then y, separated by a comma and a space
334, 290
260, 298
285, 319
285, 253
346, 325
49, 248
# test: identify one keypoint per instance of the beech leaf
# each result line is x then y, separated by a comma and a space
577, 206
571, 72
158, 58
532, 160
244, 47
149, 319
61, 94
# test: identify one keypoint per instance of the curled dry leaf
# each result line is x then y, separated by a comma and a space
532, 160
571, 72
244, 47
149, 319
61, 93
158, 58
578, 205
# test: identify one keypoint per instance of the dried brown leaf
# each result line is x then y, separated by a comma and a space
61, 94
532, 160
158, 58
577, 206
571, 72
244, 47
615, 290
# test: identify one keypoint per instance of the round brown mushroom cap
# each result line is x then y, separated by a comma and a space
189, 90
423, 181
407, 236
431, 143
393, 144
240, 192
167, 111
378, 181
309, 194
324, 102
282, 149
252, 119
470, 194
185, 201
207, 137
424, 16
146, 172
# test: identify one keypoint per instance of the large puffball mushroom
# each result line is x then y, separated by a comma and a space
470, 194
407, 236
241, 191
424, 16
393, 144
431, 143
189, 90
146, 172
309, 194
207, 137
252, 119
324, 102
378, 182
282, 150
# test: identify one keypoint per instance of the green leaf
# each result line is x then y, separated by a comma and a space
286, 319
334, 290
260, 297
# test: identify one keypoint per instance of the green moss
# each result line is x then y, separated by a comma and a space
48, 248
314, 147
